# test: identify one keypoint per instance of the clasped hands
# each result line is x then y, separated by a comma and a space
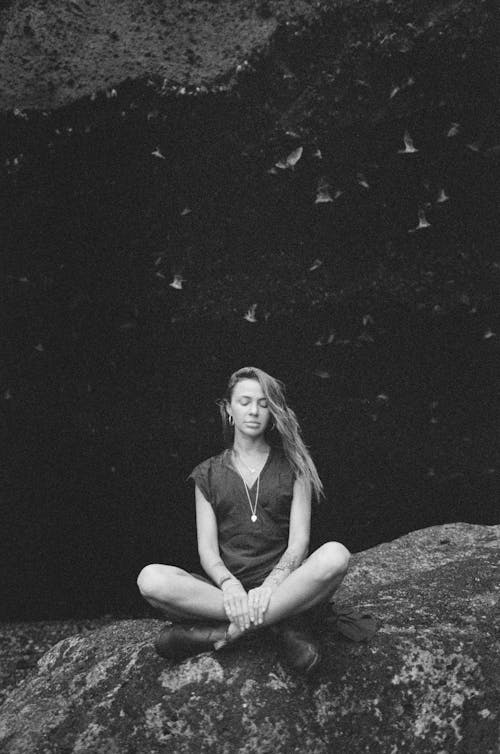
245, 608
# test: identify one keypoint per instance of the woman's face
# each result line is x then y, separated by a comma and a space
249, 408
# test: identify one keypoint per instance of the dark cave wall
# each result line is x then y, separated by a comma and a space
387, 337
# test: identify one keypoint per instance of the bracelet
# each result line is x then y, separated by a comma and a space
224, 579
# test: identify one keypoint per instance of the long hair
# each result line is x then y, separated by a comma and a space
285, 425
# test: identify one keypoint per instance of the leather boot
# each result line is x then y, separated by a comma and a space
298, 646
179, 640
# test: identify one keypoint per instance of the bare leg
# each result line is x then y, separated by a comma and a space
179, 595
313, 582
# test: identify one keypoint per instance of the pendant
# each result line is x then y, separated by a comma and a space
253, 517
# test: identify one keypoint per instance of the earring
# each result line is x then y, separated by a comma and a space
230, 419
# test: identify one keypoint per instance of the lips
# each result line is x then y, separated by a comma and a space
252, 424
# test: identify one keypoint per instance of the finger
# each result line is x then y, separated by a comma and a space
263, 606
245, 615
261, 612
251, 607
239, 616
235, 609
256, 611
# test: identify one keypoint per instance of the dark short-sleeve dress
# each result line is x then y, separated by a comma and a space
249, 549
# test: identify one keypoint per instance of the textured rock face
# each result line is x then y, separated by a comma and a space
429, 681
55, 52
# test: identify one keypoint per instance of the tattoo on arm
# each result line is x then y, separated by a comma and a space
283, 568
286, 563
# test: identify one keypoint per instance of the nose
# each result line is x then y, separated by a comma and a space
254, 409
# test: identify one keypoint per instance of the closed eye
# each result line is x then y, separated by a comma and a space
246, 401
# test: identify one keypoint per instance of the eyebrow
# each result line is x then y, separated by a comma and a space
262, 398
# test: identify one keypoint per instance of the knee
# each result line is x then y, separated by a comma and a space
333, 560
148, 580
154, 581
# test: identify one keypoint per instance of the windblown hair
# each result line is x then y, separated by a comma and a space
285, 422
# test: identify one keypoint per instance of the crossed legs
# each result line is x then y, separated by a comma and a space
181, 596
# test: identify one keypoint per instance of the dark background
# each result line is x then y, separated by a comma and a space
388, 345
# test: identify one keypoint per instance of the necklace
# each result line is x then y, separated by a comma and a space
253, 508
248, 467
237, 455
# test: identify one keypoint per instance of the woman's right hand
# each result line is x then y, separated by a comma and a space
236, 604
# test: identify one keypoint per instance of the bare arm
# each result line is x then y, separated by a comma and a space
208, 541
298, 536
234, 595
296, 551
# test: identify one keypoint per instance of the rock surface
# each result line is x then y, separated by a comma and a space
185, 43
429, 681
53, 52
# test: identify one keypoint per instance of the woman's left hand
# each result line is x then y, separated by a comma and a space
258, 602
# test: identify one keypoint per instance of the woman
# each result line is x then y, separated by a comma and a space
253, 514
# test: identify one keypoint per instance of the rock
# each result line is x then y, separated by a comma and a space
427, 682
184, 43
54, 52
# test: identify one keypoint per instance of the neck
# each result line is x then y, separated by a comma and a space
250, 444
